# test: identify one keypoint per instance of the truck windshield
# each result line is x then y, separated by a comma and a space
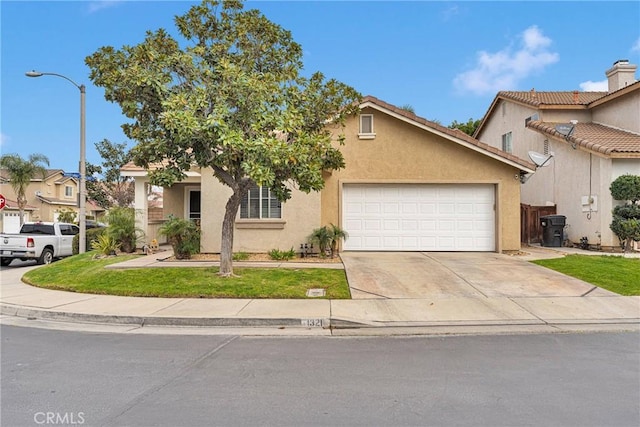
37, 229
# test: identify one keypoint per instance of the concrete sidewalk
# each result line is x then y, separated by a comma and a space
594, 311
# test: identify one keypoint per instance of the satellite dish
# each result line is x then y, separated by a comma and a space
566, 129
539, 159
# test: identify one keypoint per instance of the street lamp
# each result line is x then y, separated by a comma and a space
83, 167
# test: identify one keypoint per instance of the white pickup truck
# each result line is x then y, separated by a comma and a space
42, 241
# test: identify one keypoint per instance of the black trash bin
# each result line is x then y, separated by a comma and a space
552, 230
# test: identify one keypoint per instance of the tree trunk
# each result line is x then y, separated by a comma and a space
226, 249
22, 203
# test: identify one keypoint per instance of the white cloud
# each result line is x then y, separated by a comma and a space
3, 139
589, 86
636, 46
449, 12
503, 70
95, 6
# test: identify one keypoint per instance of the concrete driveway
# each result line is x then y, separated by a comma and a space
441, 275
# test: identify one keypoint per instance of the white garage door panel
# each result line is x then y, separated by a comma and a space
419, 217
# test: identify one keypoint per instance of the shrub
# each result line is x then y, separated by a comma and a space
105, 244
92, 235
240, 256
626, 218
279, 255
122, 228
183, 235
67, 215
327, 238
322, 238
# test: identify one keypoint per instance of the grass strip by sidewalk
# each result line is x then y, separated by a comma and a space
614, 273
80, 273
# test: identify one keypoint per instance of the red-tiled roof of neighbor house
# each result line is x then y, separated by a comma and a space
12, 204
540, 99
455, 133
595, 137
54, 201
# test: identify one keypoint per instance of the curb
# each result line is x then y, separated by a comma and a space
347, 326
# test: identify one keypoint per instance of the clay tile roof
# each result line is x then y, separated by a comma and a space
596, 137
538, 99
456, 133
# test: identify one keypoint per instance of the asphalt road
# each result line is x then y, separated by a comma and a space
77, 378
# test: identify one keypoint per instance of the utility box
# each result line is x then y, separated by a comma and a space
552, 230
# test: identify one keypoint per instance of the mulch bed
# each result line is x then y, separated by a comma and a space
259, 258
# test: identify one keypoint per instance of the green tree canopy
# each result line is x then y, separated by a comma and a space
469, 127
233, 99
21, 172
114, 189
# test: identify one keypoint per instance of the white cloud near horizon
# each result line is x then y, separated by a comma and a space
3, 139
503, 70
636, 46
95, 6
589, 86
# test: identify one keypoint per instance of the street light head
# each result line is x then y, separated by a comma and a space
33, 73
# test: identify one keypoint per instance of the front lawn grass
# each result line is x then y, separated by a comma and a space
80, 273
614, 273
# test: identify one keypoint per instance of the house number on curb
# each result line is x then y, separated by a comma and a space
312, 322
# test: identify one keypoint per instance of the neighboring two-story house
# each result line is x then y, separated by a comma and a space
46, 197
409, 185
590, 139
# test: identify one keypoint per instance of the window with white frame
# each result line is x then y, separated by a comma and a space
68, 191
366, 127
259, 203
506, 143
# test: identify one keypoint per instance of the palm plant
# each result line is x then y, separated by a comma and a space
337, 233
122, 228
21, 172
183, 236
322, 238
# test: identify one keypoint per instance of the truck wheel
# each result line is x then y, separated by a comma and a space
5, 261
46, 257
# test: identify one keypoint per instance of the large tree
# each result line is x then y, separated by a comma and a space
21, 172
233, 101
113, 189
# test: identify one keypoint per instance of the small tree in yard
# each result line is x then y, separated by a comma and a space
114, 189
232, 101
626, 217
67, 215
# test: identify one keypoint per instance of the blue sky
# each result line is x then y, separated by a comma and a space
447, 59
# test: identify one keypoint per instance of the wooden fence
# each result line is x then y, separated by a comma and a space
530, 228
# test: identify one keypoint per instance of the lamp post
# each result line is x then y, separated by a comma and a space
83, 167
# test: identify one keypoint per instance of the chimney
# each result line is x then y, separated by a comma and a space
621, 75
575, 97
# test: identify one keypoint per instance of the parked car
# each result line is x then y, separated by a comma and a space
42, 241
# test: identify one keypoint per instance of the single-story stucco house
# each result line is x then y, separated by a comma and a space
409, 185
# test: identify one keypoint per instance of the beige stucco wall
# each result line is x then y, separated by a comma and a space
300, 215
572, 173
403, 153
620, 113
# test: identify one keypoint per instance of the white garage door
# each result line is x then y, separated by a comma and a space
419, 217
11, 222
